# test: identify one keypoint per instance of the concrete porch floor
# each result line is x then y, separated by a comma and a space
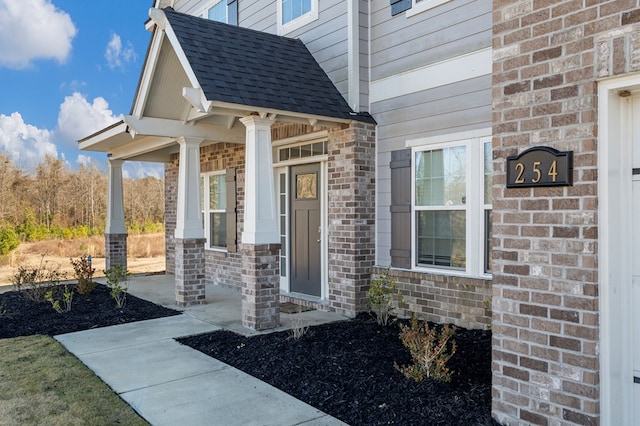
223, 307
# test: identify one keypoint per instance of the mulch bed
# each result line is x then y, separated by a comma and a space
20, 316
346, 369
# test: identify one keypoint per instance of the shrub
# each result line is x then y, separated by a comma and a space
84, 274
117, 281
380, 295
298, 326
67, 298
429, 350
8, 240
33, 282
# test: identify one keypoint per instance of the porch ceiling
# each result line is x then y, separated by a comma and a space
200, 76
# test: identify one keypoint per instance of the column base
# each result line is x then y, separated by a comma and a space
115, 250
260, 286
189, 271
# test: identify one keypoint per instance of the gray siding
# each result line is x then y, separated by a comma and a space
363, 21
401, 43
454, 108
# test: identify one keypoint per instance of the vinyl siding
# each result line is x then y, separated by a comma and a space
402, 44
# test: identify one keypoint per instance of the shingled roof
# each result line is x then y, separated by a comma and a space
247, 67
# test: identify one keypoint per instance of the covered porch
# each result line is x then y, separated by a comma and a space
210, 99
222, 307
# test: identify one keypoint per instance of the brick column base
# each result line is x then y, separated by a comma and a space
189, 271
260, 286
116, 250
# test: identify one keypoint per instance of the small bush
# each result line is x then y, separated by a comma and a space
298, 327
117, 281
33, 282
429, 350
67, 298
380, 294
84, 274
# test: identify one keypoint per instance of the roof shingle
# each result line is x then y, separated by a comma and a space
253, 68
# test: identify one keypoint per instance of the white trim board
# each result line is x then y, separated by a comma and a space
614, 180
460, 68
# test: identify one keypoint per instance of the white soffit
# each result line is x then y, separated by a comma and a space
460, 68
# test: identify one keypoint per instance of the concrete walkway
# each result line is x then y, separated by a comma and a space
171, 384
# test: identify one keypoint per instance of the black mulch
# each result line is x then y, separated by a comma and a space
20, 316
346, 369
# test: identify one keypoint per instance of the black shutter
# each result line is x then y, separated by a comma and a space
398, 6
232, 12
232, 211
401, 208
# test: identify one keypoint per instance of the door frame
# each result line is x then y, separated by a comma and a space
615, 250
284, 167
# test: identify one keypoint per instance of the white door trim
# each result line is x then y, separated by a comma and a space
614, 251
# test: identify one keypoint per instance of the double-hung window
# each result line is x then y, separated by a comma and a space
214, 209
293, 14
222, 11
452, 207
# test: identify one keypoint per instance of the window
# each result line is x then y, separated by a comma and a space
452, 207
488, 199
293, 14
413, 7
214, 209
222, 11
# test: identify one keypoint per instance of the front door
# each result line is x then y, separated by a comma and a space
635, 317
306, 231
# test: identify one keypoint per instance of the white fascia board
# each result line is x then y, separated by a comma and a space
177, 129
460, 68
140, 146
288, 116
100, 141
148, 71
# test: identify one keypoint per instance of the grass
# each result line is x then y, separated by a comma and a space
41, 383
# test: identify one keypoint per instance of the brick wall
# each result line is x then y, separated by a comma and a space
351, 184
170, 209
224, 268
547, 58
465, 302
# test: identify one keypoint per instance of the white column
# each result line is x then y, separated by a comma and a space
188, 215
260, 219
115, 199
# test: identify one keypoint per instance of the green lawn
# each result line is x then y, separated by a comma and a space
42, 383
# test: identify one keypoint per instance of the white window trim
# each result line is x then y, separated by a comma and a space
423, 6
205, 213
475, 205
204, 13
300, 21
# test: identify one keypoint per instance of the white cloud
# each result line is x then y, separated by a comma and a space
25, 144
139, 169
33, 29
116, 55
84, 160
78, 118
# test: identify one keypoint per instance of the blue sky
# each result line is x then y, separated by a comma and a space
67, 69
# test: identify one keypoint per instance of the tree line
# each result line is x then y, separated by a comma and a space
53, 201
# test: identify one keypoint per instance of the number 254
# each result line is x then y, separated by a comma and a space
552, 172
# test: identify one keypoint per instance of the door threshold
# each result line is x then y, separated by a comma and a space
305, 300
